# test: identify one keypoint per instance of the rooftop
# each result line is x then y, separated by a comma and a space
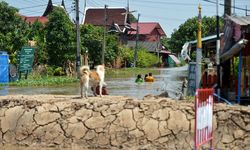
146, 28
95, 16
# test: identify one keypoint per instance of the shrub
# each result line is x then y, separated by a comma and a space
59, 71
144, 59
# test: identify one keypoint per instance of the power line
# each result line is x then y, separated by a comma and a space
150, 2
239, 8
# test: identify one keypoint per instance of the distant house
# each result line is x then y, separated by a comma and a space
95, 16
43, 19
32, 19
117, 20
150, 34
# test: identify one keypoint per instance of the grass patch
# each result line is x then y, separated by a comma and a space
129, 72
44, 81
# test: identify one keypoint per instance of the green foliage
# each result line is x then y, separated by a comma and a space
112, 49
60, 38
44, 81
92, 42
165, 42
50, 70
145, 59
188, 31
59, 71
37, 33
235, 66
127, 54
132, 18
13, 31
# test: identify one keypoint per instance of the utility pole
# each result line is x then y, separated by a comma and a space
85, 60
218, 47
198, 51
104, 34
234, 7
227, 64
78, 58
136, 42
227, 7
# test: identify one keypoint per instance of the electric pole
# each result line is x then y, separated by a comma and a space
234, 7
85, 60
198, 51
227, 64
218, 48
78, 58
227, 7
136, 42
104, 34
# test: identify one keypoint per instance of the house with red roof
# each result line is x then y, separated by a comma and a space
117, 19
43, 19
32, 19
150, 34
95, 16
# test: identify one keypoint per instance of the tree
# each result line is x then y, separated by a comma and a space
37, 34
188, 30
92, 42
13, 31
60, 38
145, 59
165, 42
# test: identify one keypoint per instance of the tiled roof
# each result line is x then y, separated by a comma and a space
146, 28
95, 16
32, 19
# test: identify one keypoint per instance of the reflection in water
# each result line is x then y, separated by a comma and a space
169, 79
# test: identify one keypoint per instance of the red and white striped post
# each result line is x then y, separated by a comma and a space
203, 117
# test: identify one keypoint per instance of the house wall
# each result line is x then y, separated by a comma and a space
150, 42
150, 46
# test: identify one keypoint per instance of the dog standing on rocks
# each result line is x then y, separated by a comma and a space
92, 79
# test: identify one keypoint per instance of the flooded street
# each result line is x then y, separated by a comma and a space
169, 79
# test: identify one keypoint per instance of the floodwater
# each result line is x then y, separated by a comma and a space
168, 79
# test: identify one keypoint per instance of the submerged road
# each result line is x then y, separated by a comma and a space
169, 79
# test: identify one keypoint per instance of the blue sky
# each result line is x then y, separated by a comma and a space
169, 13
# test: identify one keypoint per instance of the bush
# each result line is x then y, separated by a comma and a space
144, 59
59, 71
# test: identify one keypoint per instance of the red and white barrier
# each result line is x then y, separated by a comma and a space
203, 117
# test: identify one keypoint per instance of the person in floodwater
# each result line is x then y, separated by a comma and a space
139, 79
149, 78
146, 75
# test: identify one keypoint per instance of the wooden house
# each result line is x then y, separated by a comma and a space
150, 34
